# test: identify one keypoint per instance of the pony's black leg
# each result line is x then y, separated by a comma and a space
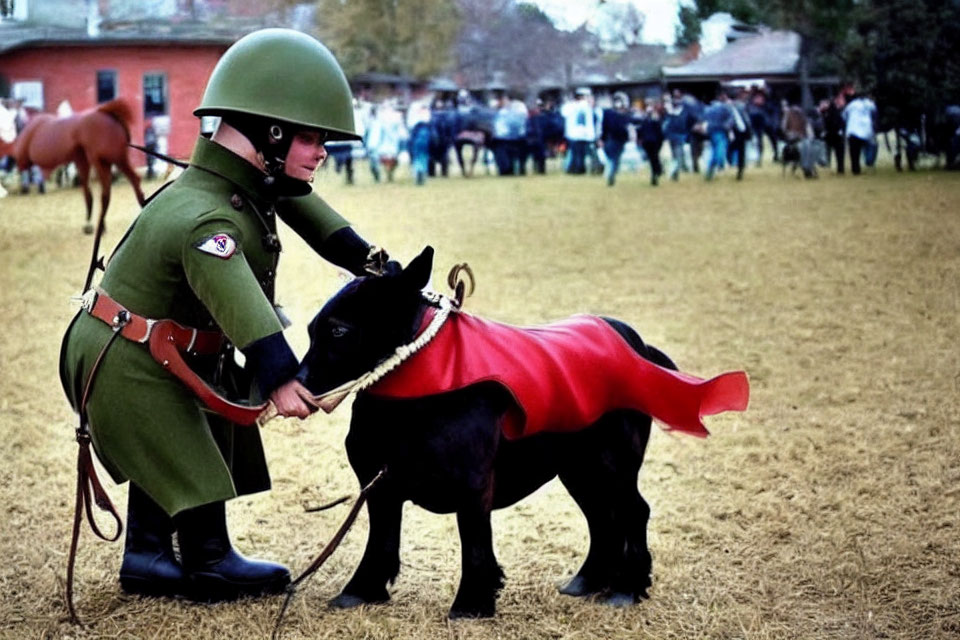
632, 574
481, 578
381, 558
618, 562
590, 486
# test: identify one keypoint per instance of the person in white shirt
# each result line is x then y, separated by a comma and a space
579, 129
859, 116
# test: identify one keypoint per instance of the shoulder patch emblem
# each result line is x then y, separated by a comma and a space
220, 245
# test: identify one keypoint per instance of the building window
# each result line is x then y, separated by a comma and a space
106, 85
154, 94
31, 92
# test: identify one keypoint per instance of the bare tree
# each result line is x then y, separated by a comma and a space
513, 41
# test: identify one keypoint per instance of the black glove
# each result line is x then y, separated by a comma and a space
346, 249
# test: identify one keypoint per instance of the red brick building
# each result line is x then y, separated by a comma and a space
157, 54
161, 76
157, 78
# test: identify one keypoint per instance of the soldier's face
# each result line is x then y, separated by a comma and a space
305, 155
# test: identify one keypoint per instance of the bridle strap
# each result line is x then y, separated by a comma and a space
88, 483
327, 550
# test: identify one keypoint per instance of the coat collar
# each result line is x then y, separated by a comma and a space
214, 158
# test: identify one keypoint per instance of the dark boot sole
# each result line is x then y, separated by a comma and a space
136, 585
213, 588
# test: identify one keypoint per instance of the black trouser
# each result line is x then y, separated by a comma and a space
652, 149
578, 153
835, 145
774, 141
856, 152
738, 147
439, 155
538, 151
696, 149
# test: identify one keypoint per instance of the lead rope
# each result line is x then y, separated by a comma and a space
87, 482
327, 551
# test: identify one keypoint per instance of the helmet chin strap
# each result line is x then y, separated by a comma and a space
274, 153
270, 139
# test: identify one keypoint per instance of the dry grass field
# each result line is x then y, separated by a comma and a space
830, 509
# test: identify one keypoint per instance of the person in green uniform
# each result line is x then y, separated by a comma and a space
204, 252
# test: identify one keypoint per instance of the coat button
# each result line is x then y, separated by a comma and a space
236, 201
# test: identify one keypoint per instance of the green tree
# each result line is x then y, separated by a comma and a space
688, 32
906, 52
409, 37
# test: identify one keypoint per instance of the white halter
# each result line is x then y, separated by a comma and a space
330, 400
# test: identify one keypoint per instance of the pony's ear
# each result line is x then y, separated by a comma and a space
417, 273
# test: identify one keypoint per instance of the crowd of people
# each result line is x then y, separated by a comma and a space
593, 135
596, 135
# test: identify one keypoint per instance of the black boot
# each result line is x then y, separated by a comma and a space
149, 565
215, 572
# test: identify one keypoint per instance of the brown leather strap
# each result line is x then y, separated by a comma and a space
327, 550
164, 349
87, 482
137, 328
167, 341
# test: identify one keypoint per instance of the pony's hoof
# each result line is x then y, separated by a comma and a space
620, 600
88, 228
458, 613
578, 587
349, 601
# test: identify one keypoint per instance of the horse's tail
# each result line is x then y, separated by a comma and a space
121, 110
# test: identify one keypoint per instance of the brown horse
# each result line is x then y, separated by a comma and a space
96, 138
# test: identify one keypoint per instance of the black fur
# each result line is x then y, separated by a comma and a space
447, 454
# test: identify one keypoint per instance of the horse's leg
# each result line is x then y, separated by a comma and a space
481, 578
381, 558
83, 176
132, 176
105, 177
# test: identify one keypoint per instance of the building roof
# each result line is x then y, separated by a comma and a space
770, 53
147, 32
638, 65
376, 77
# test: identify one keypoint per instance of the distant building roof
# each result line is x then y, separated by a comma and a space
153, 32
375, 77
639, 64
443, 84
770, 53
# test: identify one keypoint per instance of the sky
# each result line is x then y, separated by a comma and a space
659, 27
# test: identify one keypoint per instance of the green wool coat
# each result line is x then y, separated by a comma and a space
146, 426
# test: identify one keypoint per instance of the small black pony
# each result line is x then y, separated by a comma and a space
447, 454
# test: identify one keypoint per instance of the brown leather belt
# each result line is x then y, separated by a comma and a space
138, 329
167, 340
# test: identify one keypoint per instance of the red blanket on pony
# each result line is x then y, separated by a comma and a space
563, 376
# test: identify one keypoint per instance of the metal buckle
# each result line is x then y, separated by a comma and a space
193, 340
120, 320
149, 330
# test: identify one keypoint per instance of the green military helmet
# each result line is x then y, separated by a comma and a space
284, 75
